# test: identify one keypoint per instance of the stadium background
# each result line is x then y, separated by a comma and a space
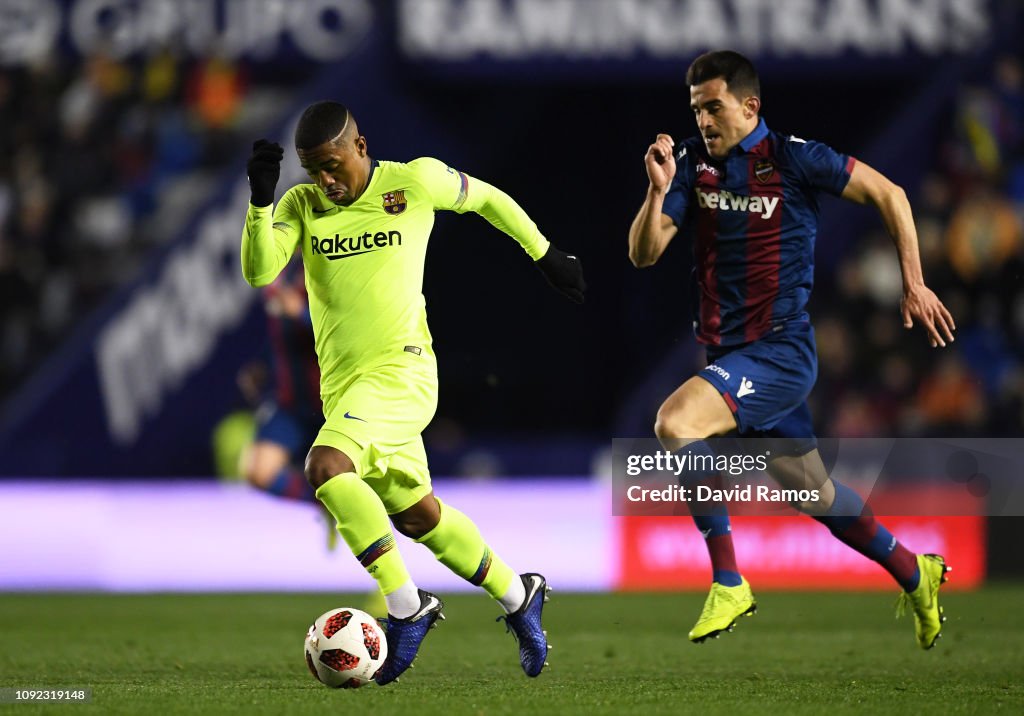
126, 126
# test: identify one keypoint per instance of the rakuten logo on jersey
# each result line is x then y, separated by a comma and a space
342, 247
727, 201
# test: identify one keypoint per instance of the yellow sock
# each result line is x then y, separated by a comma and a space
457, 544
363, 524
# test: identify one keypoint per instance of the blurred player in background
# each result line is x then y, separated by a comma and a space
363, 226
747, 196
289, 414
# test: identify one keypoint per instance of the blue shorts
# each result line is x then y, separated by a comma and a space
766, 384
291, 431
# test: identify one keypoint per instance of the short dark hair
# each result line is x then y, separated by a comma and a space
321, 122
737, 71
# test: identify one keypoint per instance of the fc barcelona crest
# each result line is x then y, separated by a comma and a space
394, 202
763, 170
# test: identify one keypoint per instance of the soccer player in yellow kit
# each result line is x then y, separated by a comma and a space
362, 226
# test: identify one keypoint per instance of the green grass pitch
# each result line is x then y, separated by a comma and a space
801, 654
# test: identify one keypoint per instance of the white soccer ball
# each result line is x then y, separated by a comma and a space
344, 648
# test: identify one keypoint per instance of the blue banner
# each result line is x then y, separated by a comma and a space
258, 30
608, 38
565, 38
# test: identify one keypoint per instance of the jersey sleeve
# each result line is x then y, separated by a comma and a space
678, 197
447, 187
269, 239
453, 190
821, 166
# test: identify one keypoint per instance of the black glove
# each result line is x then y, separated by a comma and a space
264, 169
564, 272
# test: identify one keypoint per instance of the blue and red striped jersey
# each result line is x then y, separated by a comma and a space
295, 374
753, 219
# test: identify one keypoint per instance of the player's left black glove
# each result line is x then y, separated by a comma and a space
564, 272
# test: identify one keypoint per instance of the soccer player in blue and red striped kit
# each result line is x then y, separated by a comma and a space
290, 414
746, 197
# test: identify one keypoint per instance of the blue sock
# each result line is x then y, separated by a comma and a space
852, 523
291, 483
712, 519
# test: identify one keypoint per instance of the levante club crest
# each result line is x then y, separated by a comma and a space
394, 201
763, 170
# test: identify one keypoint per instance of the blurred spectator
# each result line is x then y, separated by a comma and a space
90, 149
214, 97
880, 275
853, 416
983, 234
971, 236
215, 92
951, 398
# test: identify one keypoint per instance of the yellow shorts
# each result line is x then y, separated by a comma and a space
376, 419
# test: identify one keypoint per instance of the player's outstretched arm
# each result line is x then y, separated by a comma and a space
919, 302
652, 230
269, 238
563, 271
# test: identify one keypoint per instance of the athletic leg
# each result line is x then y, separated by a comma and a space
694, 412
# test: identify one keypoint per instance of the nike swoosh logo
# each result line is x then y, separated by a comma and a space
426, 608
324, 211
352, 417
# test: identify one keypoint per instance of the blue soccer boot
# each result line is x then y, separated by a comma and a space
525, 625
405, 636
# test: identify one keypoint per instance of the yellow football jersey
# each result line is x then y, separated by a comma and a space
364, 262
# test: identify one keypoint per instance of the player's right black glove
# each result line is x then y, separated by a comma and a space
564, 272
264, 169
